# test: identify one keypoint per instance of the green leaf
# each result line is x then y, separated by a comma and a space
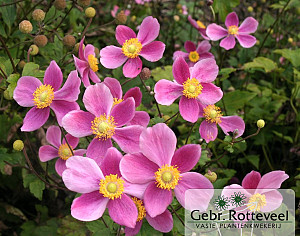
36, 186
261, 62
32, 69
292, 55
280, 135
12, 80
224, 7
162, 73
8, 13
254, 160
225, 72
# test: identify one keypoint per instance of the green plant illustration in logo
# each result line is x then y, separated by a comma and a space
221, 203
238, 199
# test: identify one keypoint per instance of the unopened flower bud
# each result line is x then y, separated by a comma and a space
151, 93
69, 41
260, 123
84, 3
60, 4
25, 27
76, 47
178, 6
290, 40
38, 15
211, 176
18, 145
176, 18
90, 12
145, 73
34, 50
209, 2
121, 18
22, 64
148, 87
40, 40
133, 18
250, 9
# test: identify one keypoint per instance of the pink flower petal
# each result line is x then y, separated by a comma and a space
162, 222
136, 168
193, 22
88, 50
53, 76
189, 109
71, 89
216, 32
132, 67
158, 144
114, 87
123, 211
89, 206
79, 152
203, 46
246, 41
232, 189
156, 200
85, 78
97, 99
180, 54
133, 231
248, 26
205, 70
78, 123
136, 190
191, 180
206, 55
181, 71
94, 76
128, 138
140, 118
112, 57
232, 123
274, 201
23, 93
60, 166
73, 141
189, 46
186, 157
61, 108
228, 42
35, 118
210, 94
80, 50
82, 175
251, 180
153, 51
148, 31
111, 162
97, 149
124, 33
80, 65
231, 19
123, 112
47, 153
208, 131
53, 136
136, 94
272, 180
166, 92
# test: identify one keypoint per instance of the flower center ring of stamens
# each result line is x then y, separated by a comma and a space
65, 152
194, 56
93, 62
256, 202
200, 24
212, 114
103, 127
233, 29
112, 186
43, 96
117, 101
140, 207
192, 88
131, 48
167, 177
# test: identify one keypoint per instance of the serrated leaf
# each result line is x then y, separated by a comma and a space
261, 62
32, 69
162, 73
225, 72
12, 80
8, 13
292, 55
36, 188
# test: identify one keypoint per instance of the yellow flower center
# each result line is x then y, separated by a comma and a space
103, 127
233, 29
140, 207
194, 56
111, 187
167, 177
192, 88
93, 62
131, 48
117, 101
212, 114
43, 96
200, 24
256, 202
65, 152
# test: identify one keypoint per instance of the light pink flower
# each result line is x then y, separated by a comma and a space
134, 46
198, 25
193, 85
87, 64
101, 187
30, 92
194, 54
142, 2
140, 117
208, 128
115, 10
59, 149
105, 120
184, 10
164, 169
216, 32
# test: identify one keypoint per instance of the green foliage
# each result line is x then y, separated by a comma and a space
36, 186
292, 55
224, 7
162, 73
261, 62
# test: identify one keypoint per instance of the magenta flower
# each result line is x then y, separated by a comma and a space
198, 25
142, 2
101, 187
105, 121
59, 149
140, 117
30, 92
115, 10
208, 128
194, 54
132, 47
260, 192
216, 32
162, 222
193, 85
87, 64
164, 169
184, 10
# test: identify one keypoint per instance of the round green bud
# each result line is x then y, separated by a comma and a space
25, 27
34, 50
90, 12
18, 145
211, 176
260, 123
290, 40
69, 41
176, 18
22, 64
133, 18
40, 40
84, 3
38, 15
250, 9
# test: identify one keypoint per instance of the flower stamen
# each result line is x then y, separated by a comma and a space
167, 177
194, 56
200, 24
65, 152
131, 48
93, 62
43, 96
140, 207
233, 30
112, 186
117, 101
103, 127
212, 114
192, 88
256, 202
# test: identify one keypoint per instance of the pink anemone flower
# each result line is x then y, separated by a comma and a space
115, 10
164, 169
162, 222
213, 116
194, 54
260, 192
87, 64
30, 92
198, 25
59, 148
102, 187
142, 2
193, 85
140, 117
134, 46
216, 32
105, 121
